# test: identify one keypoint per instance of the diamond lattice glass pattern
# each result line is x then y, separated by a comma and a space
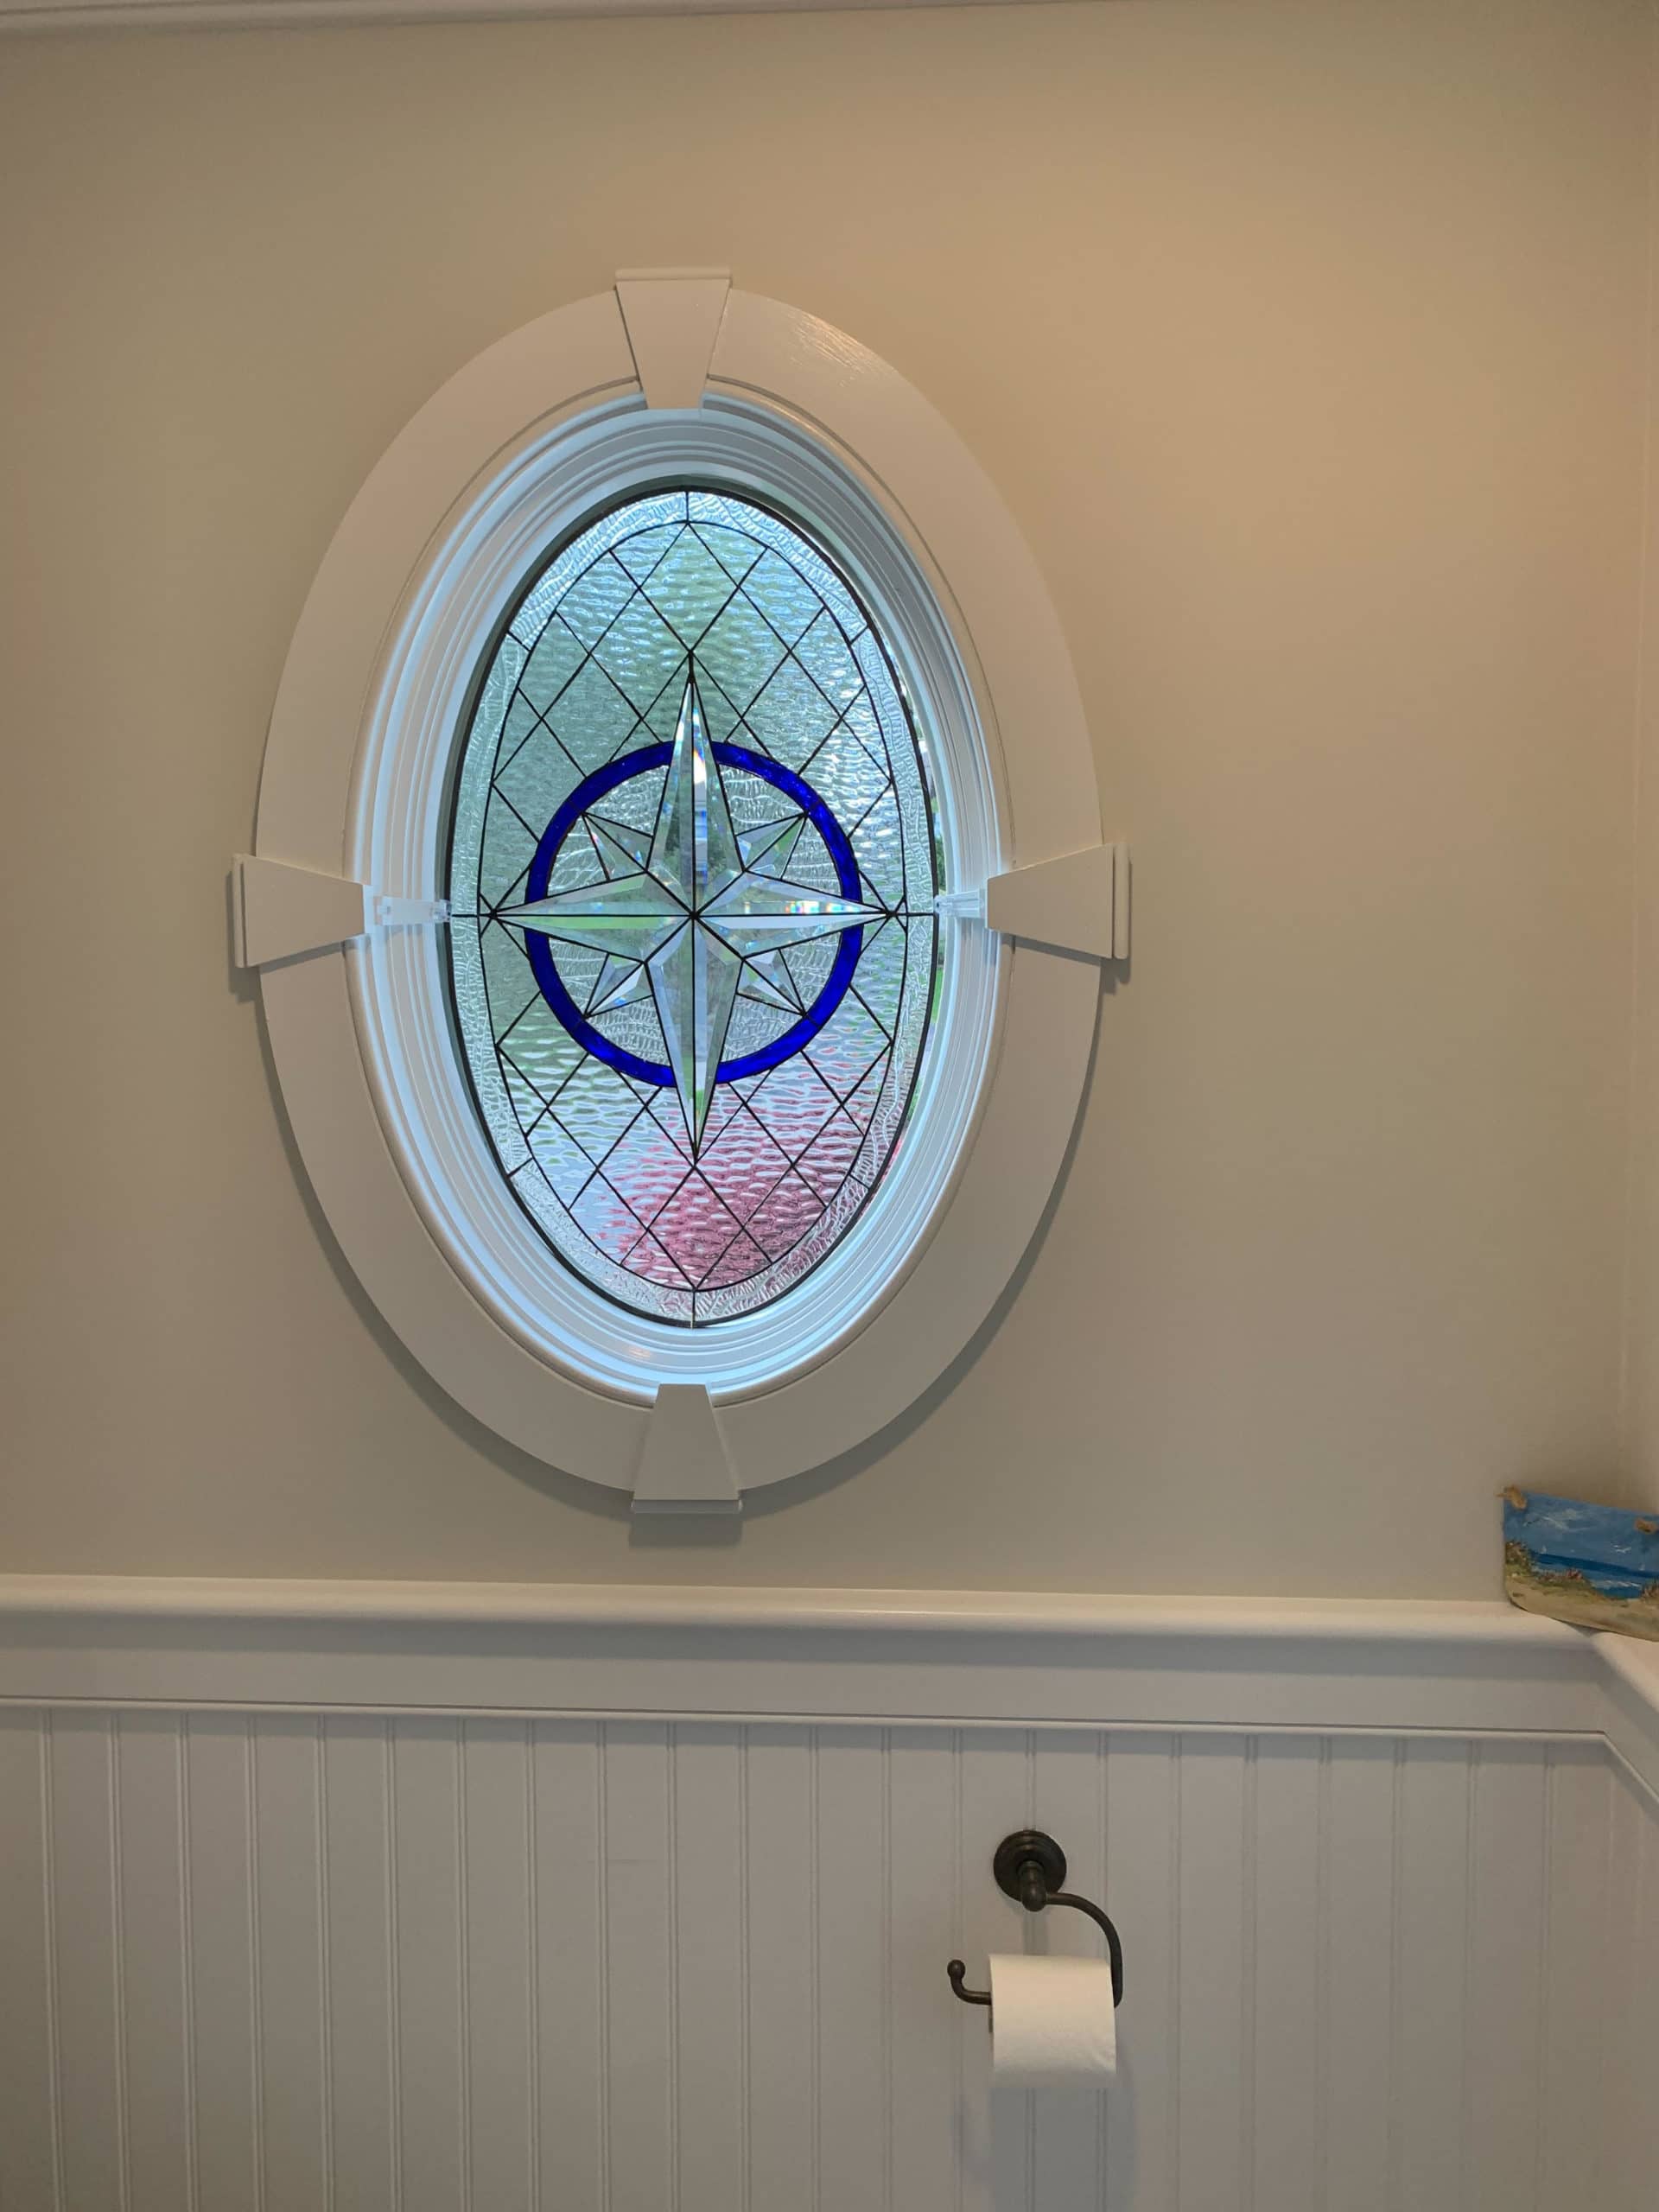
692, 882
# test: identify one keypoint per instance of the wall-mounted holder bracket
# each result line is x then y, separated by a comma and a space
1030, 1867
279, 911
1079, 903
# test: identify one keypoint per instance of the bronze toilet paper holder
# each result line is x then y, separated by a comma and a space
1030, 1867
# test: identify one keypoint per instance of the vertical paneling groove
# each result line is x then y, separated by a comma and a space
783, 1913
325, 1974
257, 2036
1141, 1816
1613, 1960
500, 1982
672, 1862
1576, 1907
886, 1969
1065, 1801
1624, 2083
1028, 1937
1360, 1944
851, 1966
996, 1798
1643, 2120
1172, 2036
1102, 1814
707, 1958
118, 1923
1396, 1973
1280, 2033
1470, 1901
533, 1907
606, 2160
427, 1778
815, 2007
1211, 1946
1635, 2126
394, 1996
187, 1976
82, 1840
567, 1957
958, 1944
223, 2010
1249, 1833
357, 2110
746, 2117
1322, 1967
54, 2003
145, 1804
463, 1976
926, 2027
1546, 1986
28, 2176
1505, 2011
637, 1790
1434, 1912
291, 1991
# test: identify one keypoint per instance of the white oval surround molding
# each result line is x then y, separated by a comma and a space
678, 372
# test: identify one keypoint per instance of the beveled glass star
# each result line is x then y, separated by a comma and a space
688, 916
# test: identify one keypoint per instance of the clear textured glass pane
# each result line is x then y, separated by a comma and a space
640, 553
641, 654
790, 718
740, 650
559, 653
505, 854
827, 659
783, 595
692, 875
590, 718
688, 588
847, 777
595, 599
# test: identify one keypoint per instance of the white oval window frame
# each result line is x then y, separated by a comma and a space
683, 376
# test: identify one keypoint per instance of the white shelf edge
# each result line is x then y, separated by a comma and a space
976, 1659
651, 1605
22, 17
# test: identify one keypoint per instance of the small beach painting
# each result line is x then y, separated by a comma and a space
1595, 1565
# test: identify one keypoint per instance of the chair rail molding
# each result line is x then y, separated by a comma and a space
24, 15
964, 1658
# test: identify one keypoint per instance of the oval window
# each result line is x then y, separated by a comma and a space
693, 869
669, 1064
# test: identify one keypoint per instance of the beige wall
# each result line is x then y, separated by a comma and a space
1641, 1437
1307, 344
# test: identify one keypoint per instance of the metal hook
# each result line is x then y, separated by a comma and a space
1030, 1867
959, 1973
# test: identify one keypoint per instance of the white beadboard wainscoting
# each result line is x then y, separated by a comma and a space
641, 1902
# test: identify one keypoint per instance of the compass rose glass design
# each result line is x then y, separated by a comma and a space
692, 882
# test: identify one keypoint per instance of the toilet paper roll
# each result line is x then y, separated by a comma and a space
1052, 2022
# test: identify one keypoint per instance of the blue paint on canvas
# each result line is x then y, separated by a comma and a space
1584, 1563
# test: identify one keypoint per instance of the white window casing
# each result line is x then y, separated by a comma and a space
339, 907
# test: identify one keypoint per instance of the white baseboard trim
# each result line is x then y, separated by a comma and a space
968, 1658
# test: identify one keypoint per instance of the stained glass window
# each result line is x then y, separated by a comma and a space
692, 882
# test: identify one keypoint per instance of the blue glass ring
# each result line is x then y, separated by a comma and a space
848, 945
